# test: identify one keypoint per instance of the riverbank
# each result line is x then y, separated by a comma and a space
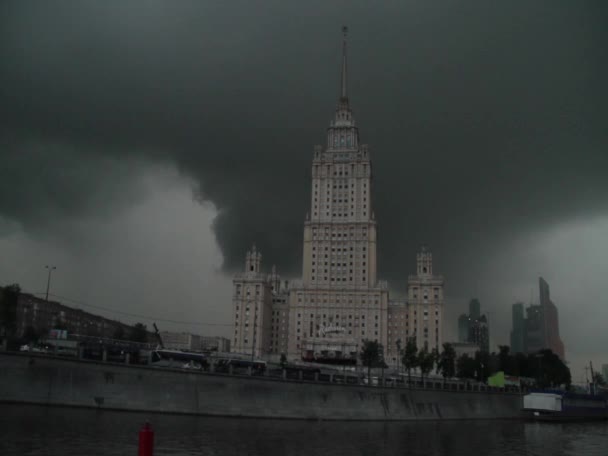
27, 378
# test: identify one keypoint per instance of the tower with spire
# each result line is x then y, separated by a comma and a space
339, 303
339, 287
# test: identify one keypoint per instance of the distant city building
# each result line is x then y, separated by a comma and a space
473, 328
465, 349
479, 333
463, 328
550, 316
36, 316
339, 302
214, 344
194, 342
474, 309
518, 332
541, 325
180, 340
605, 372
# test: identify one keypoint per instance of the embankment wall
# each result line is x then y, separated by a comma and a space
54, 381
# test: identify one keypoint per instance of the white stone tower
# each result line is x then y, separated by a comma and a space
252, 307
425, 303
339, 288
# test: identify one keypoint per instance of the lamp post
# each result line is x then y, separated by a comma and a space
48, 280
398, 343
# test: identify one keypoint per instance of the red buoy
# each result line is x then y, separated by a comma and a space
146, 440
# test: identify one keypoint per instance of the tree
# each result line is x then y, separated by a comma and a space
426, 361
482, 365
398, 345
139, 333
370, 356
465, 366
283, 360
9, 298
446, 363
410, 357
551, 370
599, 379
505, 360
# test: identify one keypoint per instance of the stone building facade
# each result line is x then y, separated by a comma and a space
339, 302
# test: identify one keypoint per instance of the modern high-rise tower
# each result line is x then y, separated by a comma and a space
518, 332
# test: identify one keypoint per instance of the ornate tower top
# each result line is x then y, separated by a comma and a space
424, 260
343, 133
343, 92
253, 261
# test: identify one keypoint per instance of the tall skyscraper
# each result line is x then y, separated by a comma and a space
473, 328
339, 302
474, 309
541, 326
518, 331
550, 321
479, 333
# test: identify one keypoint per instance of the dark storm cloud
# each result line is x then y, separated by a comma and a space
485, 121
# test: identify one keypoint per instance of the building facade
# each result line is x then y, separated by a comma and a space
541, 326
36, 318
550, 320
474, 328
339, 302
518, 332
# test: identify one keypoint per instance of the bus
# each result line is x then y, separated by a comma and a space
240, 366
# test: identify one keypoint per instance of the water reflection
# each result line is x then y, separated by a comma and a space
33, 430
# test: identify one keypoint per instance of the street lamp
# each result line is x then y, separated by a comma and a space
48, 281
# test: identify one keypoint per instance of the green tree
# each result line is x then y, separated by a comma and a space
551, 370
9, 298
482, 365
426, 361
446, 363
599, 379
410, 357
283, 361
370, 356
465, 366
139, 333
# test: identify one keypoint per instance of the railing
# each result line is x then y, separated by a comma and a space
309, 375
316, 376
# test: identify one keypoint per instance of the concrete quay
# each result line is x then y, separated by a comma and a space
27, 378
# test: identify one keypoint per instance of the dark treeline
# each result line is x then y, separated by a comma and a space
544, 368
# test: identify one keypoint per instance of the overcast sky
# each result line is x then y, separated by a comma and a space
144, 146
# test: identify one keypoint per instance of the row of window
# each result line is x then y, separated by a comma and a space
363, 300
248, 290
342, 249
340, 214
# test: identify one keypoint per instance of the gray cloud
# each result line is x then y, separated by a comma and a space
487, 123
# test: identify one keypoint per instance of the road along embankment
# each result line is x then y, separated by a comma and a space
26, 378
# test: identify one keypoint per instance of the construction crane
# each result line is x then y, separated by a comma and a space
160, 339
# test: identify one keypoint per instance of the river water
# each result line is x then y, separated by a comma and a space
36, 430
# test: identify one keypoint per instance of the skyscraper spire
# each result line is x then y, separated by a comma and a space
343, 95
